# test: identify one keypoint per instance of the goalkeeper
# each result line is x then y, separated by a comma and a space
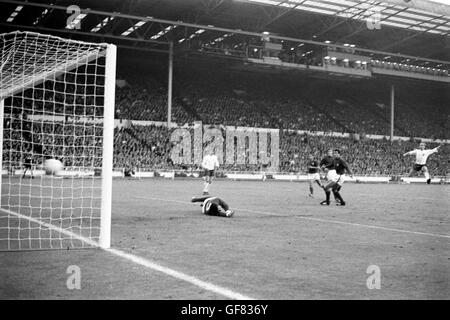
214, 206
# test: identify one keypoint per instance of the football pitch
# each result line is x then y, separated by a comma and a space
280, 244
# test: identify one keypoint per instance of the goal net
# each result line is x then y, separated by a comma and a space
56, 102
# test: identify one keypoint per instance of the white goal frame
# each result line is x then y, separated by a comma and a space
110, 55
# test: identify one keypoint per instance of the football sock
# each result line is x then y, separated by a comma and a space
338, 196
328, 193
205, 186
311, 190
427, 175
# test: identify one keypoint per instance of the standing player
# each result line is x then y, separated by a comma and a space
209, 163
327, 166
214, 206
335, 185
28, 165
420, 165
313, 174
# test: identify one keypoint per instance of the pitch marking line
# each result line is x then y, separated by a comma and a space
319, 220
141, 261
419, 198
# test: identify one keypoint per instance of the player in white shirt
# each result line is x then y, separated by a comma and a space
420, 165
209, 163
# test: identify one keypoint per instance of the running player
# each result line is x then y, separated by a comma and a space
335, 185
327, 166
420, 165
313, 174
209, 163
214, 206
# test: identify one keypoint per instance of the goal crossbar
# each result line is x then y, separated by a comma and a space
62, 67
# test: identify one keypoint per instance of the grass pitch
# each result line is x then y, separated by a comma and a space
279, 245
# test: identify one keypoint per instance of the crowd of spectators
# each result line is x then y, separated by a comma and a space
145, 99
275, 101
76, 144
366, 156
148, 148
244, 99
226, 98
141, 147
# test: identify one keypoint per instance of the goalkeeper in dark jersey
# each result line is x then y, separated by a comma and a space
214, 206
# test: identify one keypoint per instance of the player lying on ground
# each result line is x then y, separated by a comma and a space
313, 174
209, 163
420, 165
336, 179
214, 206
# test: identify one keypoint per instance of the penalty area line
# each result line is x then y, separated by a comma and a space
368, 226
225, 292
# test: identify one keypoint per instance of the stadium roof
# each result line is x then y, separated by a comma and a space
417, 28
391, 13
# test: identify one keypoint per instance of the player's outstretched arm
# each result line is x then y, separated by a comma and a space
203, 165
407, 153
349, 170
200, 199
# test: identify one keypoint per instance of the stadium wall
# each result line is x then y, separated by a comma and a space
256, 176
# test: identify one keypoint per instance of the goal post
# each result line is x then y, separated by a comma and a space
108, 144
57, 100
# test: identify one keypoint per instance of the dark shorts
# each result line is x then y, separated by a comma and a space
418, 167
209, 173
27, 166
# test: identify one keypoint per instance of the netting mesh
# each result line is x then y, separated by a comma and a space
53, 91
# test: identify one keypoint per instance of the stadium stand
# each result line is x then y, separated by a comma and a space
147, 147
242, 99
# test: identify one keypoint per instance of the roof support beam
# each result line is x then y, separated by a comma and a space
193, 25
89, 34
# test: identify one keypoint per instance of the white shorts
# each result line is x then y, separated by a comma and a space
313, 176
332, 176
341, 179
